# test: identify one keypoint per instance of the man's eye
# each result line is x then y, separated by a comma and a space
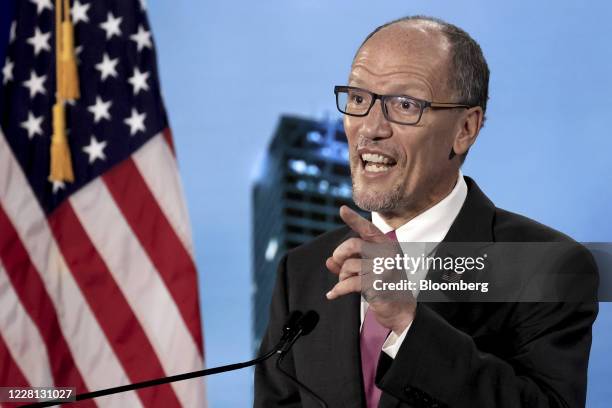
407, 105
357, 99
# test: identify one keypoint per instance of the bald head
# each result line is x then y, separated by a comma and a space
408, 33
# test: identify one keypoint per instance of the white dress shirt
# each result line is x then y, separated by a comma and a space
431, 225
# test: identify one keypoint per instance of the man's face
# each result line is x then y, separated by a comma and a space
407, 60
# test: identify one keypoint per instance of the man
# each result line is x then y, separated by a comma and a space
414, 105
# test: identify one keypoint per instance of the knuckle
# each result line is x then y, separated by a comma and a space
356, 245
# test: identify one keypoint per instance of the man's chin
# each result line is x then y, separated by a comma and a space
376, 200
383, 186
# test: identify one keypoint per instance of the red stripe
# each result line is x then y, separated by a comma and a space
124, 332
10, 373
159, 240
168, 137
31, 291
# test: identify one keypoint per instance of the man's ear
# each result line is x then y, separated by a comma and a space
468, 131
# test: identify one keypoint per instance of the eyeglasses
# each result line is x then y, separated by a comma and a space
401, 109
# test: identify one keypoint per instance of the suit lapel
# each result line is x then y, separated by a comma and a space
474, 223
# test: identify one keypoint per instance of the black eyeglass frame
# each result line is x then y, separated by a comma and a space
422, 103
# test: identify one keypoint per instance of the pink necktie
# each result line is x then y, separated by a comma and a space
371, 340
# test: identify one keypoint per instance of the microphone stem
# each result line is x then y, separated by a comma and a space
298, 383
157, 381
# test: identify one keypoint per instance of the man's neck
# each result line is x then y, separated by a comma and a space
399, 217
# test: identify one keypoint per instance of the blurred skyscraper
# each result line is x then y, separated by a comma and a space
304, 179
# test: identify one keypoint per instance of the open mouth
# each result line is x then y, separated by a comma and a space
376, 162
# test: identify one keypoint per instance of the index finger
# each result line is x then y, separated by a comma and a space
366, 230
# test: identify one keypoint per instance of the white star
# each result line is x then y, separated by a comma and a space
139, 81
108, 67
57, 186
79, 12
40, 41
32, 125
7, 71
35, 84
136, 122
41, 5
13, 32
142, 38
111, 26
100, 109
95, 150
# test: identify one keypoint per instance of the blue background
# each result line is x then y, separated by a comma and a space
230, 68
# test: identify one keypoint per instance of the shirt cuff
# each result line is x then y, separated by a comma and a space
394, 342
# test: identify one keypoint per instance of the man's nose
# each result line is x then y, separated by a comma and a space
375, 124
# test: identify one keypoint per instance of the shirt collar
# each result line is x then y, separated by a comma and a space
433, 224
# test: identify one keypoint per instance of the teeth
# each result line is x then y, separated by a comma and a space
375, 158
376, 168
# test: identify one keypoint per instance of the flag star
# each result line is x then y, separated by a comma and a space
13, 32
58, 185
79, 12
95, 150
40, 41
142, 38
100, 109
7, 71
136, 122
139, 81
35, 84
108, 67
41, 5
111, 26
32, 125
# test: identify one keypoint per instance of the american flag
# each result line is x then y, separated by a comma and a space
98, 286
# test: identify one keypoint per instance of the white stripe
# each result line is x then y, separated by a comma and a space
157, 165
141, 285
22, 337
89, 347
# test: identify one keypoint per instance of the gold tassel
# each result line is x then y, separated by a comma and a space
68, 86
61, 164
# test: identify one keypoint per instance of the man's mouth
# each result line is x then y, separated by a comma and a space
376, 162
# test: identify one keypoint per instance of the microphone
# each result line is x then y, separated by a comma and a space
296, 325
290, 327
302, 326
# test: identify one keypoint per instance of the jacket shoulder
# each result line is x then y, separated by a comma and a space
512, 227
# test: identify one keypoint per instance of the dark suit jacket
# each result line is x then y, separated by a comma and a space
455, 354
